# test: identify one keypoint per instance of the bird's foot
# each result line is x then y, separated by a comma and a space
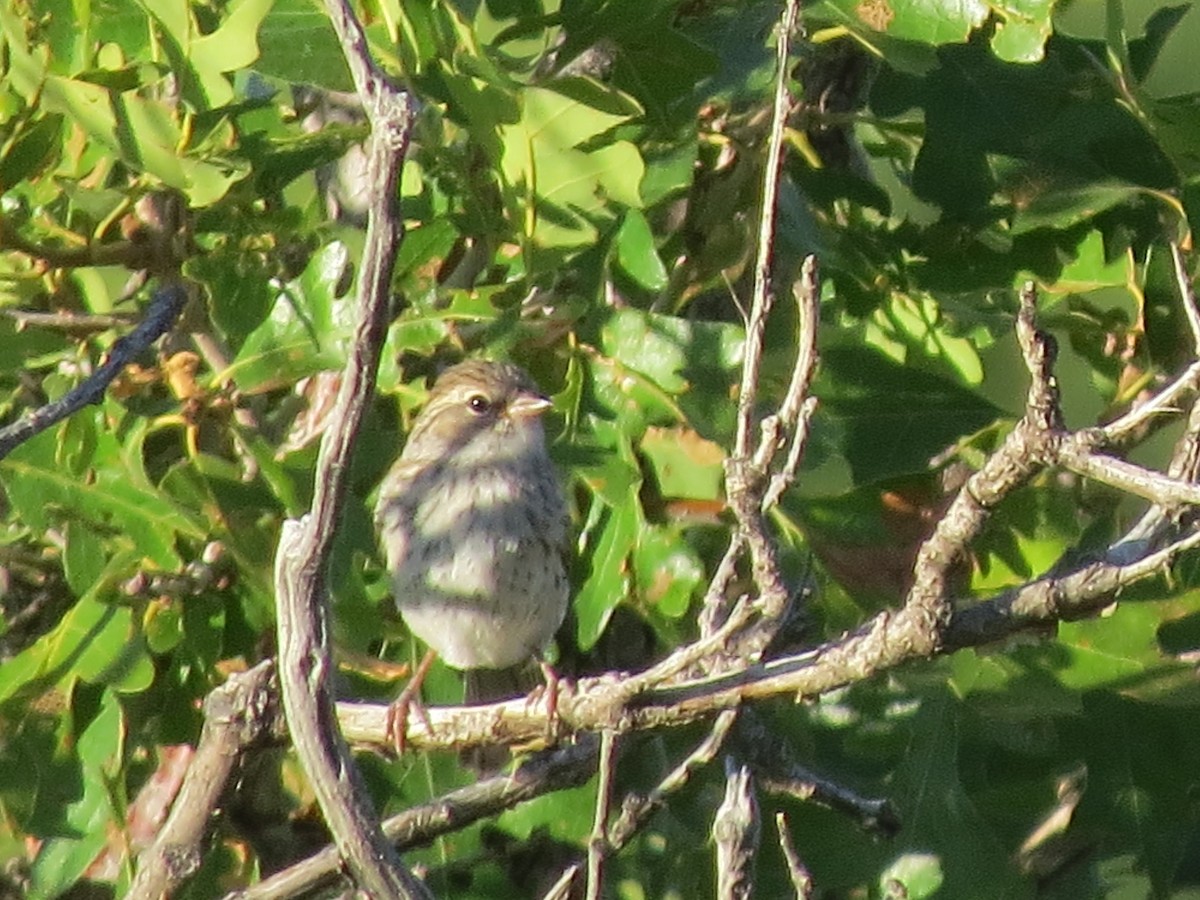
551, 691
396, 721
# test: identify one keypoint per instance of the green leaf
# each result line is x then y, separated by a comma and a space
34, 149
423, 244
1023, 28
952, 841
83, 557
611, 533
922, 416
232, 45
88, 821
306, 332
1137, 757
142, 133
669, 572
1068, 206
558, 185
1091, 269
918, 875
163, 626
95, 641
908, 20
609, 580
117, 499
690, 366
239, 291
298, 45
636, 254
911, 329
684, 464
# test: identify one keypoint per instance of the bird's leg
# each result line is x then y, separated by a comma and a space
551, 689
410, 697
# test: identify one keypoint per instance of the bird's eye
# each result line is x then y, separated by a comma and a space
478, 404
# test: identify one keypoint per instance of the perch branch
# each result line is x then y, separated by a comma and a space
919, 630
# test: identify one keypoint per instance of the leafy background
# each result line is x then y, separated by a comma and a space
582, 197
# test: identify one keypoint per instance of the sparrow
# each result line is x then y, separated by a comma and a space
473, 526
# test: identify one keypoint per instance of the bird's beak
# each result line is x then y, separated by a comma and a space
528, 405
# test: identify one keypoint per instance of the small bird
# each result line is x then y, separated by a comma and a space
473, 525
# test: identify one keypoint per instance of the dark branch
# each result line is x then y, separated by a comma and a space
165, 307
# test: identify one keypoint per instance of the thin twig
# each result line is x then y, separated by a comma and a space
747, 468
763, 298
69, 322
1187, 293
798, 405
736, 830
598, 843
637, 809
164, 309
1166, 402
780, 771
130, 254
802, 882
542, 773
561, 889
1160, 489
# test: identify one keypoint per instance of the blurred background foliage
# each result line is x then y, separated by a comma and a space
582, 196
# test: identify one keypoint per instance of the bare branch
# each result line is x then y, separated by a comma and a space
780, 771
598, 844
543, 773
736, 831
305, 666
1029, 447
798, 407
130, 254
237, 715
797, 871
1162, 490
164, 309
760, 306
888, 640
636, 810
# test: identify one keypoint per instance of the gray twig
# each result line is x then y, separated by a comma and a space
598, 843
802, 882
736, 831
